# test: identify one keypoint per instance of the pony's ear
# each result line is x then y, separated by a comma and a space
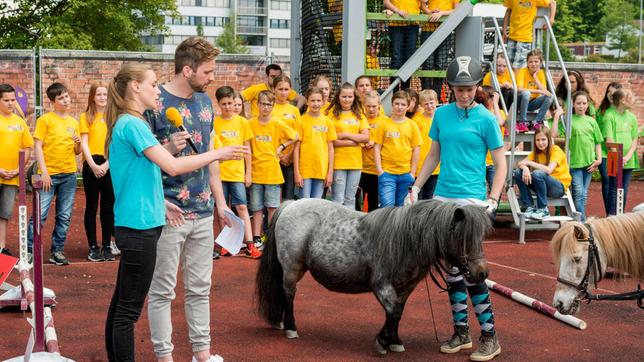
580, 233
459, 215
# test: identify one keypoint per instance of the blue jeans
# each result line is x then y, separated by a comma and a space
489, 176
313, 188
235, 192
543, 185
627, 173
579, 187
63, 186
345, 185
403, 45
603, 172
393, 188
542, 103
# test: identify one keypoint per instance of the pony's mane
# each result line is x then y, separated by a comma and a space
422, 233
621, 237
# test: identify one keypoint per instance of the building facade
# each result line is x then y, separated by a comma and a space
263, 25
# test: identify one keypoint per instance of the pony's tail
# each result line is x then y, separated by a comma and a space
271, 299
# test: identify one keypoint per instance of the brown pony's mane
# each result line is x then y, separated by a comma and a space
621, 237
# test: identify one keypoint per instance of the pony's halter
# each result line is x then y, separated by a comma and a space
594, 265
460, 264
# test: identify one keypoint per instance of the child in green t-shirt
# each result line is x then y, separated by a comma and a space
585, 149
621, 127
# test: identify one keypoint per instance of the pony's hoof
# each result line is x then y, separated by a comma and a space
379, 348
278, 326
290, 334
397, 348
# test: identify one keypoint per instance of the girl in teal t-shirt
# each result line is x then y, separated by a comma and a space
136, 160
620, 126
585, 149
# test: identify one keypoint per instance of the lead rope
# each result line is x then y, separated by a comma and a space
431, 309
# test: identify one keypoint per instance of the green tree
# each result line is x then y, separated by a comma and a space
616, 21
622, 38
200, 29
228, 41
82, 24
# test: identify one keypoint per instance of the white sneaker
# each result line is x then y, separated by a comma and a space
114, 248
215, 358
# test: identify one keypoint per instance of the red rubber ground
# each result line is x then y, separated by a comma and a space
339, 327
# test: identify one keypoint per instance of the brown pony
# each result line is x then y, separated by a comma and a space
620, 244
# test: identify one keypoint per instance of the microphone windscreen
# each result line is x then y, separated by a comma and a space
174, 117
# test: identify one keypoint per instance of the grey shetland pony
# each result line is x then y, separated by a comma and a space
387, 252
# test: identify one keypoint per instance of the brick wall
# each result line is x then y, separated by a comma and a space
77, 69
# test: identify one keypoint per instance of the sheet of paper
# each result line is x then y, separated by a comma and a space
6, 266
231, 237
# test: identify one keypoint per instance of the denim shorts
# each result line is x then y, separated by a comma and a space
7, 200
264, 195
235, 191
518, 53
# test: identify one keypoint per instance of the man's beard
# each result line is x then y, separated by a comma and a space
201, 88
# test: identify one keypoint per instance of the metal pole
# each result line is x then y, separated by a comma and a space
39, 310
296, 44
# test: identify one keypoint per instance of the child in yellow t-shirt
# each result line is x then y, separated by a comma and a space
250, 94
352, 130
236, 175
369, 177
324, 84
97, 181
544, 171
290, 115
363, 86
428, 102
520, 15
57, 142
533, 92
396, 153
271, 137
313, 154
504, 79
15, 137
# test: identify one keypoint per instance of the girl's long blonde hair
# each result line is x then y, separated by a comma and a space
118, 100
90, 111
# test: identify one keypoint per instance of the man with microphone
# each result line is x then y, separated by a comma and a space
184, 117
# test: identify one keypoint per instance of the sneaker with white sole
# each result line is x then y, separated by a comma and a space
215, 358
461, 339
488, 349
115, 250
58, 258
540, 214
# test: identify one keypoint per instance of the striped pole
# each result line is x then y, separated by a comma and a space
535, 304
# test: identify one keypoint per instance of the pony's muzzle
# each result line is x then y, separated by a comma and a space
478, 271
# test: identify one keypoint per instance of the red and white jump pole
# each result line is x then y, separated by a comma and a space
43, 342
535, 304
